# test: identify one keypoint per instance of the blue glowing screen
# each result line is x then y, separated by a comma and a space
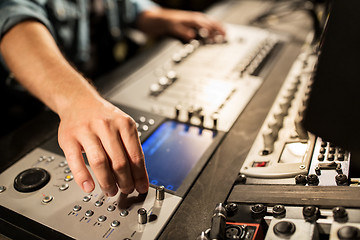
173, 150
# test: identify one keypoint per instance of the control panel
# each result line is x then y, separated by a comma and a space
41, 187
284, 152
204, 83
258, 221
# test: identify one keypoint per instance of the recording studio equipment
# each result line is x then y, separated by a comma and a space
40, 186
259, 221
205, 84
334, 103
284, 152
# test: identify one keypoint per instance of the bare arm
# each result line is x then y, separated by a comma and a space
182, 24
87, 121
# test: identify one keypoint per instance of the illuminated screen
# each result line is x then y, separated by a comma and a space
173, 150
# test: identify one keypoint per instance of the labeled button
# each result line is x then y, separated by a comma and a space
89, 213
68, 178
98, 203
63, 187
115, 223
76, 208
86, 198
111, 208
102, 218
47, 199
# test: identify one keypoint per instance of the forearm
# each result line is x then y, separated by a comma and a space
37, 63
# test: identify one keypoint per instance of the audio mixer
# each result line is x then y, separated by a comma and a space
183, 101
40, 186
206, 84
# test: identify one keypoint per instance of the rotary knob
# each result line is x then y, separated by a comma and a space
31, 180
142, 216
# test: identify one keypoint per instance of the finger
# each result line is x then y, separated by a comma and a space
99, 163
130, 139
118, 160
74, 157
183, 32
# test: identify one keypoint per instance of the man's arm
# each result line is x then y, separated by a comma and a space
157, 21
87, 122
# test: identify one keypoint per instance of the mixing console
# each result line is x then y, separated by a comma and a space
205, 84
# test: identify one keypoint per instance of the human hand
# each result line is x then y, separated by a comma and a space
110, 140
182, 24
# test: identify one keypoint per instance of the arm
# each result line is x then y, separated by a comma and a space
157, 21
87, 121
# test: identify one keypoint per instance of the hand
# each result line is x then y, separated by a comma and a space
182, 24
110, 140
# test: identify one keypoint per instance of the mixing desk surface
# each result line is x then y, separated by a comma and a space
220, 122
206, 84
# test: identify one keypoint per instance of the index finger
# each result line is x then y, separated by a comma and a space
132, 146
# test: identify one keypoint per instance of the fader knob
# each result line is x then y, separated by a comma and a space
142, 216
340, 214
258, 211
299, 127
311, 213
284, 105
160, 193
269, 139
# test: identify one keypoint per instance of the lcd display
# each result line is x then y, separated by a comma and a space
173, 150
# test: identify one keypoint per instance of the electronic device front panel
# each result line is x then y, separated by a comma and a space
40, 186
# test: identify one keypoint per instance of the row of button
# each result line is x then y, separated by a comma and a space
143, 124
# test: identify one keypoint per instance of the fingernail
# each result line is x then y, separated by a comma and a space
112, 192
88, 186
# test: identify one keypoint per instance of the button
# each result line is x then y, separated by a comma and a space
313, 180
86, 198
279, 211
151, 121
348, 232
62, 164
322, 150
139, 134
340, 157
41, 158
331, 150
137, 124
142, 119
164, 81
171, 75
67, 170
68, 178
124, 213
321, 157
160, 193
155, 89
2, 189
98, 203
260, 164
323, 144
284, 229
47, 199
145, 128
89, 213
76, 208
115, 223
50, 159
142, 216
102, 218
111, 208
301, 179
330, 157
63, 187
